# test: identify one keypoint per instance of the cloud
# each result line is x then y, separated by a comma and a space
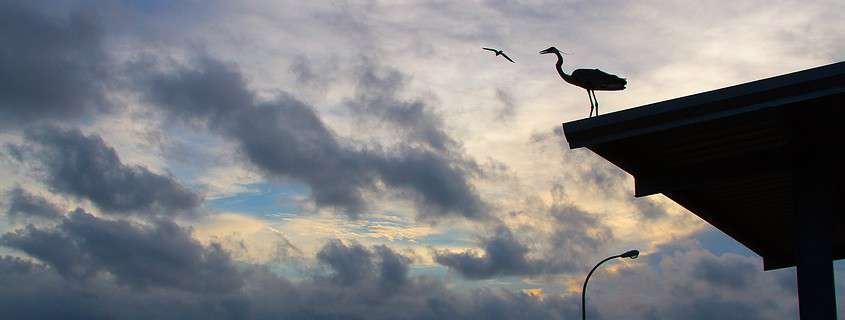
585, 174
508, 108
596, 175
51, 247
22, 204
311, 75
393, 267
571, 236
441, 184
729, 271
160, 254
94, 267
650, 209
85, 167
349, 263
503, 256
577, 236
685, 285
304, 72
285, 138
383, 291
355, 265
694, 284
100, 297
53, 65
377, 95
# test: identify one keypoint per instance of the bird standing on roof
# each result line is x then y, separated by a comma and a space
499, 53
589, 79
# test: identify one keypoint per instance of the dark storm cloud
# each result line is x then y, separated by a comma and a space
503, 256
441, 183
719, 308
724, 287
20, 204
350, 264
85, 167
51, 65
285, 138
430, 161
575, 237
354, 265
24, 286
683, 281
98, 268
54, 248
161, 254
730, 271
377, 96
27, 286
384, 291
393, 267
9, 264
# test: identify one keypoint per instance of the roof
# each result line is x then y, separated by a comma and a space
727, 155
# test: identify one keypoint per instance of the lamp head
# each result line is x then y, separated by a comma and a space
633, 254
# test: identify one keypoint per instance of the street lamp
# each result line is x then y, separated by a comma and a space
633, 254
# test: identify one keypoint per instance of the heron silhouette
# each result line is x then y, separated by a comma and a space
589, 79
499, 53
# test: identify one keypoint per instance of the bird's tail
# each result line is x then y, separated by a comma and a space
615, 84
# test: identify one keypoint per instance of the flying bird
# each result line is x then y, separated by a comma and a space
589, 79
499, 53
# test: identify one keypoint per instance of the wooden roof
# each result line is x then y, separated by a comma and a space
728, 155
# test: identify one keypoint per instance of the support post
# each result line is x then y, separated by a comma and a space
813, 219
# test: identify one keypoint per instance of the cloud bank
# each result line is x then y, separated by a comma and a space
83, 166
285, 138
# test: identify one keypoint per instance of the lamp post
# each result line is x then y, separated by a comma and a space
633, 254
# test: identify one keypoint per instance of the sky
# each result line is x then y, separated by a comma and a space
366, 159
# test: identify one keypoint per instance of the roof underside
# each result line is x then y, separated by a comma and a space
727, 155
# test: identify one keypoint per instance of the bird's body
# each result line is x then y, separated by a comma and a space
589, 79
595, 79
499, 53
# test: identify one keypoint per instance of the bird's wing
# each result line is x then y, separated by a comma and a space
506, 57
599, 80
494, 50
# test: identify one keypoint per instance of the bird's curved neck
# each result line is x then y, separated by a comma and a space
559, 66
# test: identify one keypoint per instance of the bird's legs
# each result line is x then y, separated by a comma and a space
596, 99
590, 96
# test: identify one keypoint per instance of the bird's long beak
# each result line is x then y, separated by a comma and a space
546, 51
